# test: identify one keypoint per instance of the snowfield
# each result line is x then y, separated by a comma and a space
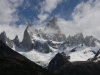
82, 53
42, 59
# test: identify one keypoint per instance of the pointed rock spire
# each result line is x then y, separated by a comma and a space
3, 37
16, 40
27, 42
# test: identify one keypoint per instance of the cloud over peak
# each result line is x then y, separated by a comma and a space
85, 19
47, 6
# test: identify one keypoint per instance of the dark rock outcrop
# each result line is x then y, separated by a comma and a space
96, 57
80, 68
58, 61
3, 37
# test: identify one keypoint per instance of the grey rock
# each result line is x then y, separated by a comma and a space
42, 47
3, 37
80, 39
90, 41
6, 40
54, 37
16, 41
27, 42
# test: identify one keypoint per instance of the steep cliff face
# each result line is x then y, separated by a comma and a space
6, 40
16, 41
3, 37
27, 39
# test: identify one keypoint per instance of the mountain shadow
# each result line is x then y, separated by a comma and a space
12, 63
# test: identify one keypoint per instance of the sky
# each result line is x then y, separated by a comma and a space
74, 16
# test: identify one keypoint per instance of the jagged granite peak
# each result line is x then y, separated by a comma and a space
3, 36
90, 41
58, 61
27, 41
16, 40
6, 40
80, 39
53, 26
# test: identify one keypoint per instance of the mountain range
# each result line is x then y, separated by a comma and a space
41, 45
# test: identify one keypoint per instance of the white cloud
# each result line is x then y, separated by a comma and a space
42, 17
8, 11
86, 19
8, 15
12, 31
47, 6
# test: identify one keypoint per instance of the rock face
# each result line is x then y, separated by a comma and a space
42, 47
27, 41
12, 63
80, 39
6, 40
3, 37
31, 35
54, 37
90, 41
96, 58
58, 61
16, 41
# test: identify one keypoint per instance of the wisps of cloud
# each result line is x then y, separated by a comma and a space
12, 31
8, 16
47, 6
86, 19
